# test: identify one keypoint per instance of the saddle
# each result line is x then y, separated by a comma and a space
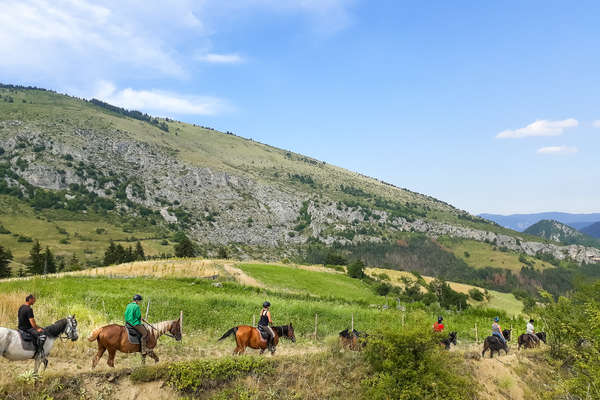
264, 332
28, 341
133, 336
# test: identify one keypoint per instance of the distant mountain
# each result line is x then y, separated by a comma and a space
592, 230
559, 232
520, 222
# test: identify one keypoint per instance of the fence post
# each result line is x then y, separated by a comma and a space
147, 309
352, 322
316, 324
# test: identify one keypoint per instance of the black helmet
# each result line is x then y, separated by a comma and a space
440, 319
531, 320
266, 304
137, 297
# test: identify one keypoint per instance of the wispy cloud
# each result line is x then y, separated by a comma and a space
557, 150
213, 58
160, 102
540, 128
596, 123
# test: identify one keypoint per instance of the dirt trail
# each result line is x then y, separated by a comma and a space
241, 276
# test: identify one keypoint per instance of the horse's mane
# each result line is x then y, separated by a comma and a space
281, 330
160, 328
56, 328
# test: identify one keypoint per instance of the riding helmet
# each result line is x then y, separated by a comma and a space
137, 297
266, 304
496, 319
531, 320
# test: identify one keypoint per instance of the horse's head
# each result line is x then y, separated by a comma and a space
176, 328
71, 328
541, 336
506, 334
290, 333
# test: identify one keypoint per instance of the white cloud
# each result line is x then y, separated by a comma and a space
213, 58
596, 123
158, 101
557, 150
540, 128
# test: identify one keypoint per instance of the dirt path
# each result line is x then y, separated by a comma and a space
241, 276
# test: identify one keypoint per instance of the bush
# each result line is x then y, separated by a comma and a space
408, 364
195, 376
476, 294
356, 269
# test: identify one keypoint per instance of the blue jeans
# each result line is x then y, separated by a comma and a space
499, 336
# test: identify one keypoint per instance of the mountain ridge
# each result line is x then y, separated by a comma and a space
559, 232
520, 222
73, 157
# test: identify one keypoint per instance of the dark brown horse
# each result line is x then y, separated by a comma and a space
114, 337
451, 339
353, 339
495, 345
530, 341
248, 336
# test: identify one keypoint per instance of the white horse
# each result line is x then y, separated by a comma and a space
12, 347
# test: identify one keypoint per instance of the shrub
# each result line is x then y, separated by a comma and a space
194, 376
356, 269
476, 294
408, 363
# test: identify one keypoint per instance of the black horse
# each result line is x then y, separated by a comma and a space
353, 339
451, 339
530, 341
495, 345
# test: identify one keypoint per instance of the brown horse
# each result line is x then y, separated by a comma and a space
248, 336
114, 337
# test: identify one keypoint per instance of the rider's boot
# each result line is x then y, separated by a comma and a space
270, 344
144, 346
41, 340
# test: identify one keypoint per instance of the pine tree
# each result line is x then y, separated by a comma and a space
110, 255
36, 266
185, 248
49, 263
5, 257
139, 252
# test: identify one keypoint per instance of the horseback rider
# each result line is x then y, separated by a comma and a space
133, 318
497, 330
27, 324
264, 324
531, 331
438, 326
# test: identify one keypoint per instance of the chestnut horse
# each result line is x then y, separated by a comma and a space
114, 337
248, 336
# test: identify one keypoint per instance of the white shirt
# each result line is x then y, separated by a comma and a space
530, 328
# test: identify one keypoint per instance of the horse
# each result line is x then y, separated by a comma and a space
451, 339
13, 348
493, 343
353, 340
249, 336
541, 336
114, 337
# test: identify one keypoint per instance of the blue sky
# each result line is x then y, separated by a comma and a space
490, 106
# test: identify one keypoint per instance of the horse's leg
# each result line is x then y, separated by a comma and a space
45, 364
101, 350
144, 359
154, 356
111, 357
485, 347
36, 365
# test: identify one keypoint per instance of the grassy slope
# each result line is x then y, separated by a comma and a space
483, 255
498, 300
20, 219
316, 283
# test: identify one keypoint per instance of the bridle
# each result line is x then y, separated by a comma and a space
70, 332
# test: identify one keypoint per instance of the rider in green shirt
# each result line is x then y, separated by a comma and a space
133, 317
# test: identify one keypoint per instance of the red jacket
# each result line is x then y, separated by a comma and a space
437, 327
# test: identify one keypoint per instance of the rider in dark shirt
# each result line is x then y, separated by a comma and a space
264, 324
27, 323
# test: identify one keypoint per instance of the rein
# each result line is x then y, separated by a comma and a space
167, 333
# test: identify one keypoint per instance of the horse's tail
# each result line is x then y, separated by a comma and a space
94, 335
229, 332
